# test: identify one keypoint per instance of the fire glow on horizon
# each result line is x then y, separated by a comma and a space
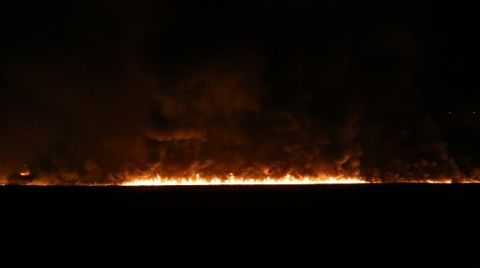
229, 180
233, 180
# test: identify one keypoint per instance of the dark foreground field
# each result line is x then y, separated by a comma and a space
376, 225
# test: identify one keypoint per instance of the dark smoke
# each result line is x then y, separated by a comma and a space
93, 90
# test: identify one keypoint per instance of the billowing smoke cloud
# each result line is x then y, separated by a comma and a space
255, 89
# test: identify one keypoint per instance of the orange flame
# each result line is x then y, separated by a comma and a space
25, 172
229, 180
198, 180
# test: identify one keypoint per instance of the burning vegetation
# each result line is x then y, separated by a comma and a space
159, 94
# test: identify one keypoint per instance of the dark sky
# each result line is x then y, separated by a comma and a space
90, 90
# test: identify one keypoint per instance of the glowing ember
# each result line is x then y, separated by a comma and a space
232, 180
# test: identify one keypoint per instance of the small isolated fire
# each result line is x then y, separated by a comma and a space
24, 172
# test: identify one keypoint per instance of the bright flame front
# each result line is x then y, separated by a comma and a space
233, 180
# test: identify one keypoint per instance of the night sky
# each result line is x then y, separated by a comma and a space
90, 90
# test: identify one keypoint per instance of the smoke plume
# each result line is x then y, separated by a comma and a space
106, 88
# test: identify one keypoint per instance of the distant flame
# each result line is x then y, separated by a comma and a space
25, 172
197, 180
155, 179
